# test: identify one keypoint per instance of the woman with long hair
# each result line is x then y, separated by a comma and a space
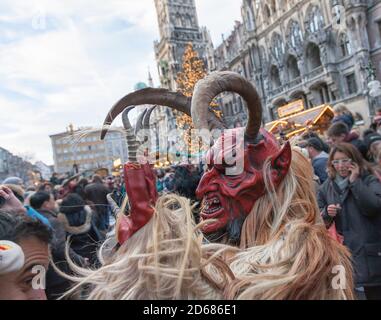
351, 199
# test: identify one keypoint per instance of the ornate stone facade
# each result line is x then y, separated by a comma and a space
315, 50
178, 25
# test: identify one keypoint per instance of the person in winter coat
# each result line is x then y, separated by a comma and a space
78, 222
351, 198
96, 193
56, 285
318, 157
339, 133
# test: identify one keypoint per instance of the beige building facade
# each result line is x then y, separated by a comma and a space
77, 150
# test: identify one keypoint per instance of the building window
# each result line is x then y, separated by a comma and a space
275, 78
278, 46
345, 45
273, 6
313, 56
267, 13
292, 66
315, 20
295, 35
351, 83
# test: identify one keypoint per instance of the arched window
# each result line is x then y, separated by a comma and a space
275, 78
345, 45
313, 56
188, 21
295, 34
277, 46
257, 4
249, 19
292, 67
267, 13
315, 20
179, 22
273, 6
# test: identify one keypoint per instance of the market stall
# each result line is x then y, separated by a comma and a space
295, 120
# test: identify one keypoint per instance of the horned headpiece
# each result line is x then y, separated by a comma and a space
228, 199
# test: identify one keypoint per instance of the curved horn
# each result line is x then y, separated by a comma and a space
214, 84
126, 122
162, 97
139, 122
147, 117
133, 145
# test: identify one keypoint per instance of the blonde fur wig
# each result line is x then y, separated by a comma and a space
286, 250
164, 260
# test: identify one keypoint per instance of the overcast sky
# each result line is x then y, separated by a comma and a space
69, 61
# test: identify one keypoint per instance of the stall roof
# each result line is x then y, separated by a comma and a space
300, 119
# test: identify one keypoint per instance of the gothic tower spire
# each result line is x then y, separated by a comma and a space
178, 26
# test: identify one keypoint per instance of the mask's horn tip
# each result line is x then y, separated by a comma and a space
104, 130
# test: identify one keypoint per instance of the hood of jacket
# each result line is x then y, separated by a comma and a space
75, 230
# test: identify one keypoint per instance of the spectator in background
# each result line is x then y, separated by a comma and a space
26, 246
78, 222
310, 134
351, 198
55, 180
110, 183
15, 181
96, 193
169, 181
160, 180
339, 133
80, 187
14, 204
376, 124
342, 114
318, 157
56, 285
186, 180
46, 187
372, 142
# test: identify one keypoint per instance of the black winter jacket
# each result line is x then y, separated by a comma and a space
359, 222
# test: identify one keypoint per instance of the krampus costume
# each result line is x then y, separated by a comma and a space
267, 239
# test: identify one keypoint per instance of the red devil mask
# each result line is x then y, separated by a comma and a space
229, 198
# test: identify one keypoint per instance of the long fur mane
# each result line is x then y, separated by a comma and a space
165, 260
286, 250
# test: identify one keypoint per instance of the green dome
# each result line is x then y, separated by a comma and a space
140, 85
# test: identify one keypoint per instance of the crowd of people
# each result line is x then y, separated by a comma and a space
77, 216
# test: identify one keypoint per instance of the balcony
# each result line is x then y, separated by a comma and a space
295, 82
315, 73
276, 91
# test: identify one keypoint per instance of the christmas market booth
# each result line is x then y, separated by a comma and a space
294, 120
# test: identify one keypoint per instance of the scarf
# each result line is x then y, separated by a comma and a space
342, 183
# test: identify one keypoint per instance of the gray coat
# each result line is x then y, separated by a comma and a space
359, 222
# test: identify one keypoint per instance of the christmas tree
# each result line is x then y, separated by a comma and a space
193, 70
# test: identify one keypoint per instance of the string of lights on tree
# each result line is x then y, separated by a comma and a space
193, 70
